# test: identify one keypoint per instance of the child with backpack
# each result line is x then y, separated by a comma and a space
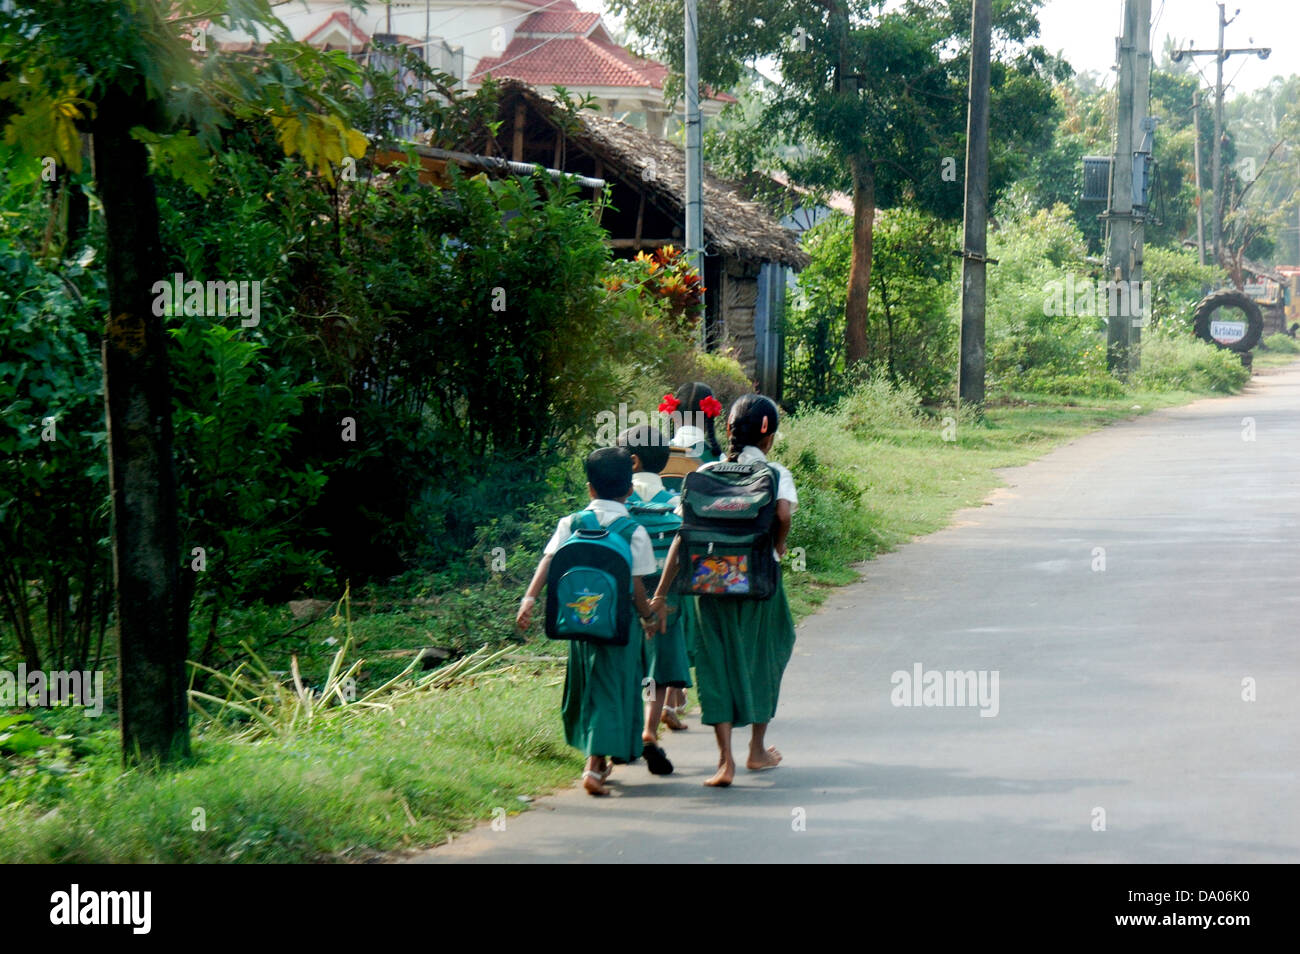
736, 518
655, 509
691, 411
694, 442
592, 605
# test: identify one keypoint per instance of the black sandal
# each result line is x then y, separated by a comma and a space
656, 759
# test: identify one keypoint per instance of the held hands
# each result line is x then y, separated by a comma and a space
660, 620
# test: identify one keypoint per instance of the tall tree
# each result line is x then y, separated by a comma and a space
877, 97
149, 83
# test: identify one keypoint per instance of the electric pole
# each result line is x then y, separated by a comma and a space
1119, 216
694, 161
1220, 55
970, 378
1196, 168
1143, 138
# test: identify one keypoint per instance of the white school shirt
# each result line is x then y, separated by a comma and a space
607, 511
784, 484
646, 485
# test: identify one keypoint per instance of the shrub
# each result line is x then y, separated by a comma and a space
1178, 282
875, 406
1178, 363
1281, 343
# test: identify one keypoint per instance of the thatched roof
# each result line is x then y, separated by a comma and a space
733, 225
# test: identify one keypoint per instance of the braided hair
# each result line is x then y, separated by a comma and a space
753, 417
689, 397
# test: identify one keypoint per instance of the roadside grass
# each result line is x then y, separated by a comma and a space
877, 472
1276, 351
349, 788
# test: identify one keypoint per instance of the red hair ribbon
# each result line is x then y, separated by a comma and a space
711, 406
669, 404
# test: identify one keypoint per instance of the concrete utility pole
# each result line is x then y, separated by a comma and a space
1119, 216
1196, 167
1143, 138
1216, 162
694, 154
970, 378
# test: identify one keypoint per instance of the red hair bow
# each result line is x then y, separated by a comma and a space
669, 404
711, 406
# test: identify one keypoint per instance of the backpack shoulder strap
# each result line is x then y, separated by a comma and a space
584, 518
624, 527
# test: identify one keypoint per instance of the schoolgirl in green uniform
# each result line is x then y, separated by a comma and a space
664, 656
742, 646
697, 409
602, 684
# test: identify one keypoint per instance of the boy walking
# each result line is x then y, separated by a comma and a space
602, 700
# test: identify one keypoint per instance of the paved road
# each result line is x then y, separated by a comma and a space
1119, 689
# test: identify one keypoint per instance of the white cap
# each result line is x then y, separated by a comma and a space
688, 436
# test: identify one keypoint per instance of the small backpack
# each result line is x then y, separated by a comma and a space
726, 548
589, 588
659, 518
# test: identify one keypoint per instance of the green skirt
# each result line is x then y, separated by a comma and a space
664, 656
689, 613
602, 698
741, 651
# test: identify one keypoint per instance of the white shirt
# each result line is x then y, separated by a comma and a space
646, 485
607, 511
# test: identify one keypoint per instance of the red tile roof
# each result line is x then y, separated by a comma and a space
571, 61
342, 18
558, 20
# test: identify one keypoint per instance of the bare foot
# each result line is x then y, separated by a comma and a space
724, 776
763, 760
594, 783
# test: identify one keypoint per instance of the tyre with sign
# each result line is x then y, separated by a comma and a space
1228, 319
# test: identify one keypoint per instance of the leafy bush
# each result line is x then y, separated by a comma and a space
1177, 362
1031, 341
55, 572
875, 406
1178, 282
1281, 343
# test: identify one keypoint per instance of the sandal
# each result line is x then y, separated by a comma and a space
670, 719
656, 759
599, 790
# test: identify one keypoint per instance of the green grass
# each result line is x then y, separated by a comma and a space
871, 476
342, 791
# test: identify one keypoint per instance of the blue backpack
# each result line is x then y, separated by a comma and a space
659, 518
589, 589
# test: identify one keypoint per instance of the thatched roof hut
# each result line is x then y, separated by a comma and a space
747, 251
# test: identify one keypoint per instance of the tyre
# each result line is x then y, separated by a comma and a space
1229, 298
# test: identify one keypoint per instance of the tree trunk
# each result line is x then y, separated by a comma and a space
152, 627
864, 223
